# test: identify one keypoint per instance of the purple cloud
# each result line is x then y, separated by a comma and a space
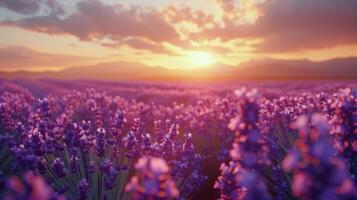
21, 6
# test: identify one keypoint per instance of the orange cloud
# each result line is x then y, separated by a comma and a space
294, 25
176, 15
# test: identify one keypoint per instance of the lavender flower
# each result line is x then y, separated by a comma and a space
32, 188
249, 154
153, 180
317, 172
58, 168
226, 183
82, 190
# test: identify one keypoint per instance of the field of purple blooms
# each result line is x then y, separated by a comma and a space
238, 141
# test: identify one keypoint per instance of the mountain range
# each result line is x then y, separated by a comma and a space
342, 68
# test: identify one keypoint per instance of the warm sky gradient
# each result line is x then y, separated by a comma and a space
184, 34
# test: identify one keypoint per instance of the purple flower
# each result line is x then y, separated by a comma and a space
74, 165
243, 177
82, 189
226, 183
58, 168
100, 141
152, 181
31, 188
344, 125
91, 167
317, 172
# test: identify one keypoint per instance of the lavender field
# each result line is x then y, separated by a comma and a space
115, 140
178, 100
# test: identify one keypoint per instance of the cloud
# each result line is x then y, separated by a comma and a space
288, 25
280, 25
226, 5
15, 57
21, 6
95, 21
56, 7
185, 14
141, 44
33, 7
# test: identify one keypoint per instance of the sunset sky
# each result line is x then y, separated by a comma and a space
181, 34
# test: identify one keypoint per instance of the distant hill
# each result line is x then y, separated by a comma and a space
343, 68
110, 71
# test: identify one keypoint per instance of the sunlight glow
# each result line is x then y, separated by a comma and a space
201, 58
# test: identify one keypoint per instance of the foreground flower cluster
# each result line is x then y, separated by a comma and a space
292, 148
245, 144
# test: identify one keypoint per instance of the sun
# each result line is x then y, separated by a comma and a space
200, 58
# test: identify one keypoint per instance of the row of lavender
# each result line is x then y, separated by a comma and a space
301, 147
90, 145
